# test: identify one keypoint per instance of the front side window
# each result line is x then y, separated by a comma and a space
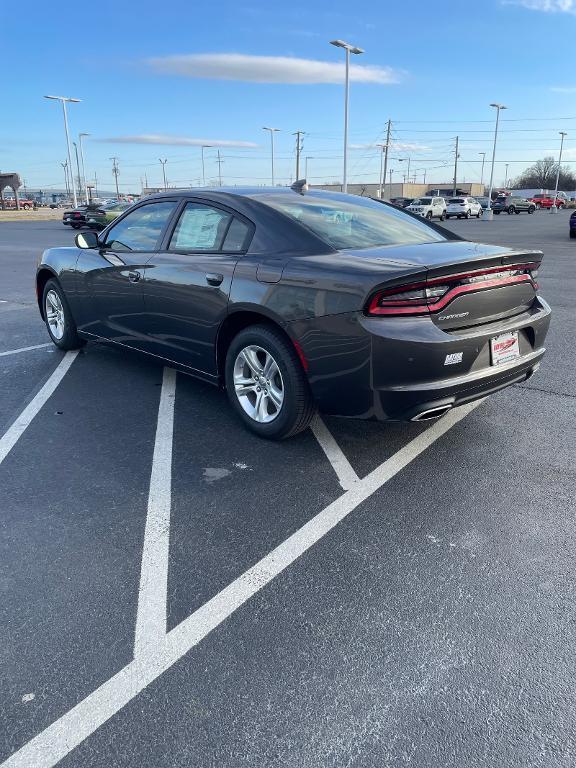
141, 229
345, 223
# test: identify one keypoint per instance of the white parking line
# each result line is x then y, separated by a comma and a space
151, 615
11, 437
25, 349
55, 742
340, 464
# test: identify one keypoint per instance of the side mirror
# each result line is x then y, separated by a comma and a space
86, 240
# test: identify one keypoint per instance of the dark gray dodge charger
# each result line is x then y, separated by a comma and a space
295, 300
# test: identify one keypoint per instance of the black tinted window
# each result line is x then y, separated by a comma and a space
140, 230
236, 239
200, 228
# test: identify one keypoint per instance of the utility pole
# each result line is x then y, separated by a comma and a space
455, 166
391, 172
65, 166
115, 172
163, 163
386, 150
298, 151
554, 207
219, 161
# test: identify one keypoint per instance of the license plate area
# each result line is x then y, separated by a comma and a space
504, 348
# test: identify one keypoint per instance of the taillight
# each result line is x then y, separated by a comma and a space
433, 295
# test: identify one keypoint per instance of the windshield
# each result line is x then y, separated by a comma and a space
345, 223
421, 201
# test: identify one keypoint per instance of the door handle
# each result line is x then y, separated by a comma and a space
134, 276
213, 279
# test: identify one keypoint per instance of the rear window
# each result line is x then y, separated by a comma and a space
361, 223
456, 201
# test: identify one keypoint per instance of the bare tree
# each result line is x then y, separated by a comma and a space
542, 175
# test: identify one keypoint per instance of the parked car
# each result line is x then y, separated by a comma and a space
512, 205
295, 301
401, 202
463, 208
25, 203
429, 207
100, 217
76, 217
483, 202
573, 225
547, 201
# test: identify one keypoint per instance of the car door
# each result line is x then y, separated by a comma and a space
187, 283
110, 299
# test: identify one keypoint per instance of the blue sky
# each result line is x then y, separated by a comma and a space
144, 70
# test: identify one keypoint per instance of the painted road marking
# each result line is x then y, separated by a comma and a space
11, 437
152, 597
25, 349
53, 744
345, 473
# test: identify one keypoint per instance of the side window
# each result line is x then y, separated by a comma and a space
200, 228
140, 230
237, 237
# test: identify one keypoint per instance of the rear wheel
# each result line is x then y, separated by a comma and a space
443, 216
266, 384
26, 207
511, 210
531, 209
59, 321
467, 215
479, 214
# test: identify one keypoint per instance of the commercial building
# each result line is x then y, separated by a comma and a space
407, 190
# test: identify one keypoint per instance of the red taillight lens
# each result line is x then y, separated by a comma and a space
77, 215
433, 295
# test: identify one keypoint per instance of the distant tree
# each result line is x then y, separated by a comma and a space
542, 175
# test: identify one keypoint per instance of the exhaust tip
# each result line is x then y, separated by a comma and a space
432, 413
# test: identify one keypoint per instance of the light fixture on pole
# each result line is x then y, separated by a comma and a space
272, 132
85, 185
63, 100
348, 49
482, 171
488, 213
163, 162
554, 207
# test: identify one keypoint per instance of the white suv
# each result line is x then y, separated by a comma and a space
463, 207
428, 207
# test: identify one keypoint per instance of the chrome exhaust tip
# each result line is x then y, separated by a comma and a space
432, 413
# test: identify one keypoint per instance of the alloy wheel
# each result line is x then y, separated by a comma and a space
258, 384
55, 314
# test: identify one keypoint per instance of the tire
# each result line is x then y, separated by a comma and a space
443, 216
429, 215
479, 214
75, 226
25, 207
264, 343
511, 210
531, 209
63, 334
467, 214
572, 234
517, 212
496, 213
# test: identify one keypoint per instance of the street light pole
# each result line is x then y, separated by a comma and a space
382, 171
272, 132
554, 207
391, 172
202, 148
65, 166
488, 213
348, 49
163, 163
77, 167
85, 184
482, 171
63, 100
506, 176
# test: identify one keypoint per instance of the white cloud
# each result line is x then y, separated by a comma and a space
176, 141
563, 88
400, 145
268, 69
548, 6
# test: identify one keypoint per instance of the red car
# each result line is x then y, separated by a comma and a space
25, 203
547, 201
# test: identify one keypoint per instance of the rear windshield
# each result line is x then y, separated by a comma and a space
359, 223
456, 201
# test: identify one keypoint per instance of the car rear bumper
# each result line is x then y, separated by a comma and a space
398, 369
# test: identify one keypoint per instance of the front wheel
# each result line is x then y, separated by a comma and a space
443, 216
429, 215
511, 210
266, 384
59, 321
467, 216
479, 214
531, 209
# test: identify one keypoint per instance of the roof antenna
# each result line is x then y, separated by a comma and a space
300, 186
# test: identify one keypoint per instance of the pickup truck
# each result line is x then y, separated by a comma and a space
547, 201
25, 203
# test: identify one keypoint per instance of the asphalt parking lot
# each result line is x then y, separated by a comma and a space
361, 595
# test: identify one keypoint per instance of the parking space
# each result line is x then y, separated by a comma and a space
177, 592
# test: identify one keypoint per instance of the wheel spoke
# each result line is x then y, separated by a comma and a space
261, 406
251, 358
276, 396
